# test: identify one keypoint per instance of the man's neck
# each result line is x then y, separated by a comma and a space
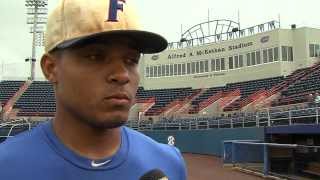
85, 140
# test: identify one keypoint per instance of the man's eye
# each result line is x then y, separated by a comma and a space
94, 57
133, 60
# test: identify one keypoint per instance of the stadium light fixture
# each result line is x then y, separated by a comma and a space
36, 16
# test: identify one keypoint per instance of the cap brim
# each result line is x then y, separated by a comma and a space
146, 42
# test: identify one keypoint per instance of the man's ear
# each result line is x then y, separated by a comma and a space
49, 67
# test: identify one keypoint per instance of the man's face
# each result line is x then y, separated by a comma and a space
96, 83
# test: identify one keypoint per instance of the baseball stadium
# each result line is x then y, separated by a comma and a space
238, 102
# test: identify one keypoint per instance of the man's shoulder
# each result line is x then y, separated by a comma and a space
24, 153
140, 138
149, 145
163, 156
20, 143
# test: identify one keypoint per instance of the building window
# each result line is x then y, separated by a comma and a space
248, 59
197, 67
236, 61
183, 69
167, 69
316, 51
258, 57
230, 62
311, 50
163, 70
179, 69
175, 72
193, 67
201, 66
217, 64
270, 54
206, 66
276, 53
151, 71
213, 65
223, 64
188, 68
171, 69
290, 53
253, 58
265, 56
287, 53
155, 71
159, 71
148, 72
240, 60
284, 51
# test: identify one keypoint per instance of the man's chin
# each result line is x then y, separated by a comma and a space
106, 125
110, 122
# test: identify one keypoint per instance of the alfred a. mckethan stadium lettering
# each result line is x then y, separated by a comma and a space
208, 51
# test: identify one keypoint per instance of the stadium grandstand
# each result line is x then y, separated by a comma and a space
219, 84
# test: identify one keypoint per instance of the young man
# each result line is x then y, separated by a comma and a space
92, 54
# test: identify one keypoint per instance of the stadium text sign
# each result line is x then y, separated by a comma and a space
209, 75
209, 51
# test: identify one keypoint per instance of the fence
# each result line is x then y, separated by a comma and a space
260, 119
13, 127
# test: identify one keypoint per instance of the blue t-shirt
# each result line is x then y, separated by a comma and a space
40, 155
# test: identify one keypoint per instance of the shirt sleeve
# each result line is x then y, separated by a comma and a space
183, 169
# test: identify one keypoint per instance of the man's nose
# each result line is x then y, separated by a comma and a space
119, 73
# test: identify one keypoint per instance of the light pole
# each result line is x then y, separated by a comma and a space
37, 16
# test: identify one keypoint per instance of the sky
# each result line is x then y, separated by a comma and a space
166, 17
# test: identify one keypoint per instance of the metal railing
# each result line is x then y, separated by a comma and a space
260, 119
190, 38
8, 127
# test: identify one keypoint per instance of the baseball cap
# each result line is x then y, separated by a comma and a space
76, 21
